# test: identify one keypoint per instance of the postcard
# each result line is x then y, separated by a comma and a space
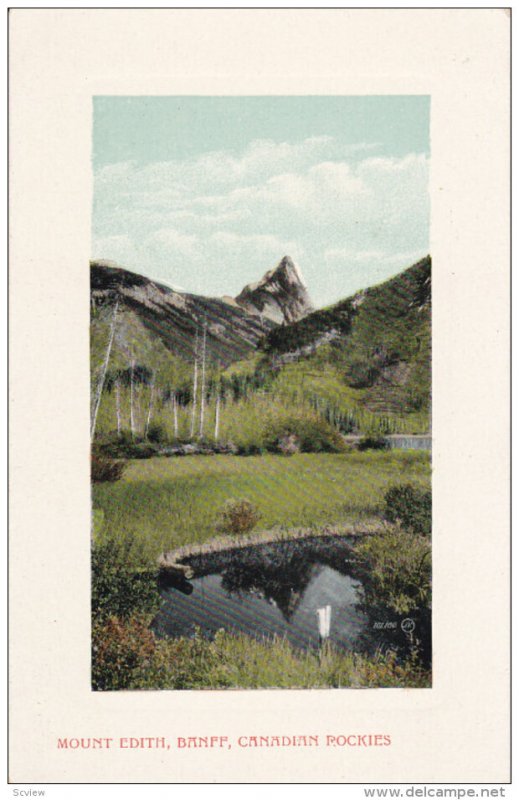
259, 348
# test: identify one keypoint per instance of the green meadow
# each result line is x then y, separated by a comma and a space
162, 503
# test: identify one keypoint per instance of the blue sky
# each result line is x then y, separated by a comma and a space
207, 193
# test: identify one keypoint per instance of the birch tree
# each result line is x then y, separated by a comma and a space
150, 406
202, 394
195, 386
175, 415
117, 387
102, 377
217, 414
219, 388
132, 399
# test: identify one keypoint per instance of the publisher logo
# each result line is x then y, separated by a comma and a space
408, 625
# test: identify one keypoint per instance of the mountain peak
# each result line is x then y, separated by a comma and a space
288, 265
281, 294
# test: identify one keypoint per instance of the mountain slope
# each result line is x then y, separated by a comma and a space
369, 353
234, 326
174, 317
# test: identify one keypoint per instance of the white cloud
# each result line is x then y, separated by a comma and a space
173, 242
320, 202
330, 190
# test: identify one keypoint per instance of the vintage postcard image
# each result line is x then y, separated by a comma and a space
261, 392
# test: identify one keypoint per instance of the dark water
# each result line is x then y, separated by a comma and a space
276, 589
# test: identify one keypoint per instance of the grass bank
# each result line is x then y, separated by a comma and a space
163, 504
231, 661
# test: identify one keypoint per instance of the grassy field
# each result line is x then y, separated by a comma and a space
162, 503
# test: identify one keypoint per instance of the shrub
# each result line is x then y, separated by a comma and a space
119, 588
312, 434
249, 449
410, 507
232, 660
238, 517
121, 652
127, 449
373, 443
157, 434
398, 571
123, 602
184, 663
105, 469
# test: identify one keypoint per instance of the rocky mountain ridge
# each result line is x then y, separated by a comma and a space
280, 296
233, 327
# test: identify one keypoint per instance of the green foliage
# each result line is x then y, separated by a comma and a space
231, 661
418, 385
373, 443
410, 506
124, 447
376, 371
103, 469
389, 321
238, 517
124, 599
122, 652
313, 435
241, 383
98, 518
120, 587
361, 374
288, 338
397, 571
309, 387
138, 374
248, 448
157, 434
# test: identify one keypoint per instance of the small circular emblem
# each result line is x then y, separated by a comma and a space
408, 625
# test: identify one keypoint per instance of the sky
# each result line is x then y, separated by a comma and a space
206, 194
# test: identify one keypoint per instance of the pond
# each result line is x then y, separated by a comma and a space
276, 590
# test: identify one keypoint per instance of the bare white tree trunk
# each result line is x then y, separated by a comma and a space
139, 421
202, 398
217, 415
132, 410
195, 387
175, 416
102, 377
118, 405
150, 406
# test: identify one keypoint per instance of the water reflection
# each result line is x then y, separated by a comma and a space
277, 589
280, 583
